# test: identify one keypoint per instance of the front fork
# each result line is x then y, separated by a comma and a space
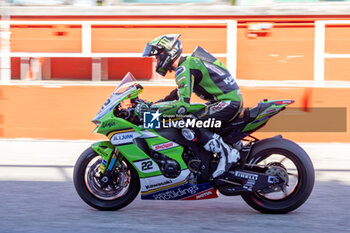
111, 158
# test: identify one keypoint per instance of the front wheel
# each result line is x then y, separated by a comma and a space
290, 162
105, 193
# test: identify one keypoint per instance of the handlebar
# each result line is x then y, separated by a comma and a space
137, 100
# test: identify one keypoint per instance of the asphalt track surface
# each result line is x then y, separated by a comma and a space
37, 195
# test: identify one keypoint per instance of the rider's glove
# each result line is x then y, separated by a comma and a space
141, 108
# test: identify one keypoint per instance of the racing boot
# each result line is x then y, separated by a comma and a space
227, 154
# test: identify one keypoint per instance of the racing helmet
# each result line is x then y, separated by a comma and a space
166, 49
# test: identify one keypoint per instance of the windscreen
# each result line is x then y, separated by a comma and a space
125, 87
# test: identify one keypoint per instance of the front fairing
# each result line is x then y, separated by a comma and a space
114, 99
105, 119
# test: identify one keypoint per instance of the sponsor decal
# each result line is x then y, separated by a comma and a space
176, 194
167, 182
180, 79
164, 146
218, 107
124, 138
161, 182
179, 70
214, 68
165, 42
182, 191
249, 185
272, 110
108, 124
229, 80
284, 102
202, 195
207, 193
173, 51
104, 162
246, 175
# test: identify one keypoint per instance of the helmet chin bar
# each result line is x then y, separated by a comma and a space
164, 64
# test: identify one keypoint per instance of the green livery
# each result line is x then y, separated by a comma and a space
163, 165
204, 75
271, 109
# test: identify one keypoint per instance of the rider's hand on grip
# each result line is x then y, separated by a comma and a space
141, 108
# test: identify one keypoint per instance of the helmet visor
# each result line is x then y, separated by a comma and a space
151, 50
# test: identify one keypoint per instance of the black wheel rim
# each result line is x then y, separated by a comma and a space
294, 170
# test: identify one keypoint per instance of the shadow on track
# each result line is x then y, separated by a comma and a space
29, 206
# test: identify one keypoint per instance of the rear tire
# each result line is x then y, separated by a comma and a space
305, 180
86, 193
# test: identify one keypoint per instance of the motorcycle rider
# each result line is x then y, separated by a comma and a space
207, 77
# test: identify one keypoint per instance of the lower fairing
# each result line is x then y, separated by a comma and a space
162, 188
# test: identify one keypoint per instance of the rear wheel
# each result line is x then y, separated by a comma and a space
101, 192
290, 162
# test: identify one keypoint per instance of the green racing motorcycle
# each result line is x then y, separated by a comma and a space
274, 175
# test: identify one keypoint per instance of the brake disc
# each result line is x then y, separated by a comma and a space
103, 187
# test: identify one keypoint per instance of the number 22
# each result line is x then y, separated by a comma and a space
146, 165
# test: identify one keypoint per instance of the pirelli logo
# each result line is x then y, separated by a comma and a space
246, 175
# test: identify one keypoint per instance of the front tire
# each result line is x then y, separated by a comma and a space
305, 178
108, 198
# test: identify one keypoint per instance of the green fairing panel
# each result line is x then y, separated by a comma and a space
111, 123
105, 149
132, 153
252, 126
174, 153
156, 140
264, 116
